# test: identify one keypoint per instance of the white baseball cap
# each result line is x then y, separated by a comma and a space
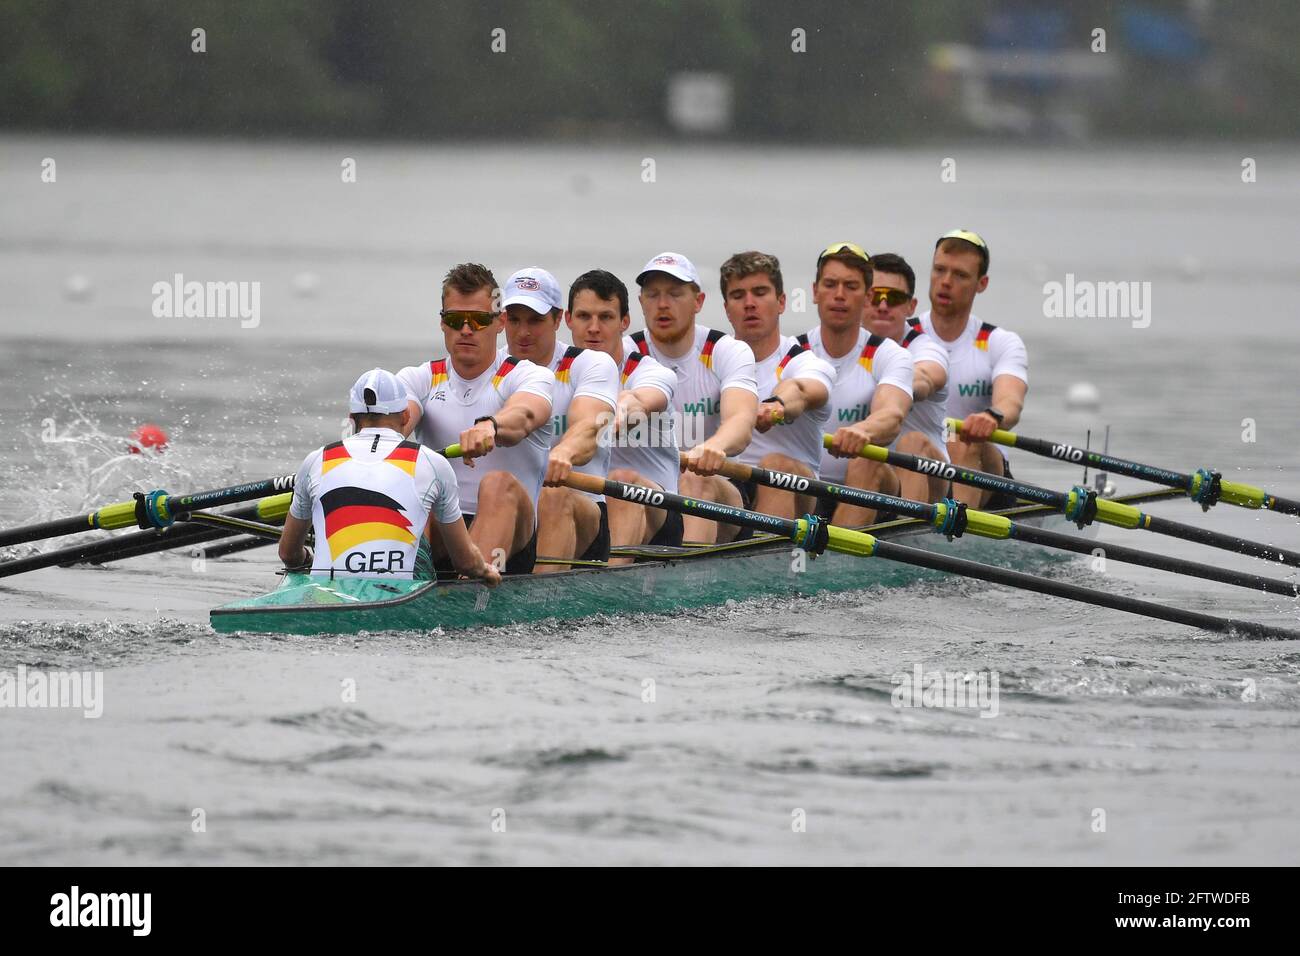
378, 392
674, 264
535, 288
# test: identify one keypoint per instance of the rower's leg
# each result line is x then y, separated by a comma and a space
631, 524
504, 523
783, 504
712, 488
872, 476
567, 524
979, 456
915, 486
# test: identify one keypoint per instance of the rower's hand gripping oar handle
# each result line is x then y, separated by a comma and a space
729, 468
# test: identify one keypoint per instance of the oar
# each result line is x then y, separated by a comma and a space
157, 509
272, 508
953, 519
1205, 487
1080, 505
814, 536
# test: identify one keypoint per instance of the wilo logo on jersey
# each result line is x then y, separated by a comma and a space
36, 688
208, 300
1084, 299
947, 689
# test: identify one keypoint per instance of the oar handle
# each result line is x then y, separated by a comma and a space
593, 484
873, 452
999, 436
451, 451
729, 469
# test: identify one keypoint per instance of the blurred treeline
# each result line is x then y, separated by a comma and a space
600, 68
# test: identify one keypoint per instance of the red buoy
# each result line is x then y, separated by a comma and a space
147, 436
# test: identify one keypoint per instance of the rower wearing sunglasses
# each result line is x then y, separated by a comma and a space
891, 305
873, 383
796, 382
492, 404
988, 368
571, 524
717, 393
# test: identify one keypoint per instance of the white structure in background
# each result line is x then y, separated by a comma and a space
976, 70
700, 102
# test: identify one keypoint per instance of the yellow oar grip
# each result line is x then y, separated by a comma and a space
1122, 516
112, 517
846, 541
452, 451
873, 452
274, 507
987, 525
1245, 496
999, 436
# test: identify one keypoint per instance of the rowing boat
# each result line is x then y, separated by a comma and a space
664, 580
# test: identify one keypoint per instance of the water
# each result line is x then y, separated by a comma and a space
1185, 740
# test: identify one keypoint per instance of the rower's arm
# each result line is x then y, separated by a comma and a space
889, 406
464, 553
585, 421
645, 400
927, 378
520, 416
800, 395
1009, 399
739, 408
293, 540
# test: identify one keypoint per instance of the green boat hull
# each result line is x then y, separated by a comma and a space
686, 580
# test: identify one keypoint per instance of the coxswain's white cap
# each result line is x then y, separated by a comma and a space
672, 263
535, 288
378, 392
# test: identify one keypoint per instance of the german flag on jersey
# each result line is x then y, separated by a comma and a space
507, 366
354, 516
566, 363
404, 456
642, 345
439, 369
800, 346
706, 353
982, 339
869, 351
332, 456
629, 366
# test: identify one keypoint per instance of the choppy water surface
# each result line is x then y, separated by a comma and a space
1187, 742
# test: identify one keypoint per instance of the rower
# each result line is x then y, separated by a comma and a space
370, 497
873, 380
891, 305
571, 524
988, 368
491, 403
643, 441
792, 418
716, 399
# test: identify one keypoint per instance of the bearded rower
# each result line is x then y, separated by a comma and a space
643, 441
792, 418
491, 403
571, 524
717, 393
873, 380
988, 368
890, 307
370, 497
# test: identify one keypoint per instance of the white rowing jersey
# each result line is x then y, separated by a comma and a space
873, 361
368, 498
975, 359
450, 404
927, 416
715, 363
802, 438
583, 372
648, 447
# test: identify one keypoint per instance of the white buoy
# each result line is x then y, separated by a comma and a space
77, 287
1191, 267
305, 284
1083, 397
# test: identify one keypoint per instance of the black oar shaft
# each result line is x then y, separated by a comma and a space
1030, 582
1188, 532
